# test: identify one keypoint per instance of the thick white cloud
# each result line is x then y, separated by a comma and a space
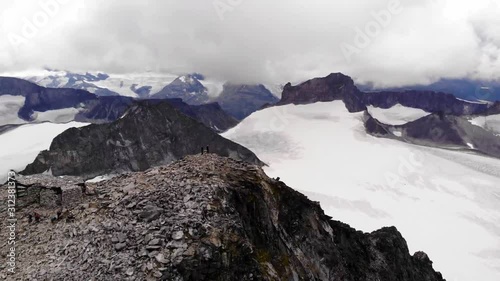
257, 40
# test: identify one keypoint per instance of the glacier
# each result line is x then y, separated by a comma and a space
446, 203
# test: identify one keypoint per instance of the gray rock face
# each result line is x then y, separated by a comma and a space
218, 219
242, 100
148, 135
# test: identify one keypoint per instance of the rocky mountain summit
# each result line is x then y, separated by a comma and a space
149, 134
188, 88
338, 86
204, 217
335, 86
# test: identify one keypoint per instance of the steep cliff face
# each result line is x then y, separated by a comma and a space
149, 134
335, 86
209, 218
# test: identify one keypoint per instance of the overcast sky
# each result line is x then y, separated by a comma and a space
389, 42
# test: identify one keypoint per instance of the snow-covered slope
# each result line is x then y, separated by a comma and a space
396, 115
490, 122
135, 85
9, 107
20, 146
446, 203
124, 83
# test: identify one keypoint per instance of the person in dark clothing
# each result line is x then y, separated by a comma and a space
202, 150
37, 217
207, 149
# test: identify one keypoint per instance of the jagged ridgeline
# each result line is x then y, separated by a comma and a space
150, 134
208, 217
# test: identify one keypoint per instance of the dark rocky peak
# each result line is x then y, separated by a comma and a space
187, 88
335, 86
241, 100
207, 217
149, 134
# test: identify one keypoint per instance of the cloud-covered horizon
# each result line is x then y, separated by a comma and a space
386, 42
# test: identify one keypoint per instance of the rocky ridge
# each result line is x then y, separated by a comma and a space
338, 86
149, 134
206, 217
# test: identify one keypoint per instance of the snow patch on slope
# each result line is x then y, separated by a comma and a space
9, 107
20, 146
443, 202
490, 123
63, 115
396, 115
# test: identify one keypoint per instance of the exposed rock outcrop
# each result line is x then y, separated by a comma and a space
338, 86
149, 134
207, 218
335, 86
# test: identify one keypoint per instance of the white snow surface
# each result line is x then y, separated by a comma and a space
9, 107
20, 146
396, 115
490, 122
121, 83
445, 203
63, 115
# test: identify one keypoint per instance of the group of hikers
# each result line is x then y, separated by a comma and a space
203, 150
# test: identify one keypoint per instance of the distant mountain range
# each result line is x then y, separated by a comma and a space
238, 100
467, 89
338, 86
451, 122
26, 102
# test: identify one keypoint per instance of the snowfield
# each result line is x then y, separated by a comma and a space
396, 115
445, 203
9, 107
20, 146
490, 123
64, 115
